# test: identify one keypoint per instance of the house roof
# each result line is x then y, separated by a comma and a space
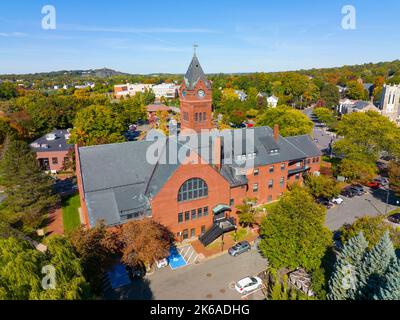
118, 178
194, 74
157, 107
52, 142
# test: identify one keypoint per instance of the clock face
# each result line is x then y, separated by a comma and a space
201, 93
184, 93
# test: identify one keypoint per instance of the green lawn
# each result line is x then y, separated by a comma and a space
70, 213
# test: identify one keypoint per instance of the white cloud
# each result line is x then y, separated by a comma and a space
12, 34
135, 30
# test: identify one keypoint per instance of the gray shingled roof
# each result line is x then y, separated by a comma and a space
194, 74
59, 144
118, 180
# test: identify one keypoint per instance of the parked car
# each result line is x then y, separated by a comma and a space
374, 184
239, 248
359, 189
248, 285
382, 180
348, 192
337, 200
325, 202
162, 263
395, 218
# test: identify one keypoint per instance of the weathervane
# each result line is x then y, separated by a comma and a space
195, 46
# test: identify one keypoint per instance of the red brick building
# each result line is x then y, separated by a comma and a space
52, 150
197, 195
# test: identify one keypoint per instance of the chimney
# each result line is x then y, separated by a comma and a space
276, 132
217, 153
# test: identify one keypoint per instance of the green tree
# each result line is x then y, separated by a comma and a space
97, 125
322, 186
356, 91
291, 122
357, 169
21, 271
70, 282
343, 283
326, 116
29, 191
7, 91
330, 94
247, 212
372, 227
360, 139
394, 176
376, 263
390, 290
293, 234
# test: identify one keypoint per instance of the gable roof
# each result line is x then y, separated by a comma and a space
194, 74
119, 180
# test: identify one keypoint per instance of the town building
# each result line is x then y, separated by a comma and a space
163, 90
196, 99
124, 90
390, 102
53, 150
166, 90
194, 194
347, 106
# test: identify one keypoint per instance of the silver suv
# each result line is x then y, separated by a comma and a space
239, 248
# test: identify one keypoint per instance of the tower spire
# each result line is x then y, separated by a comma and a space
195, 46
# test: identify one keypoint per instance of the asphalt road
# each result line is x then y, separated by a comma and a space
320, 132
210, 280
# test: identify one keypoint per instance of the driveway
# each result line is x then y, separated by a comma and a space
372, 203
210, 280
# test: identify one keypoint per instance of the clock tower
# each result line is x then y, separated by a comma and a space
195, 96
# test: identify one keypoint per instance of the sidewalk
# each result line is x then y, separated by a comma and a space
216, 249
55, 222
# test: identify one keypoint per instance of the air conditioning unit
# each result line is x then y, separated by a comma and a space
51, 137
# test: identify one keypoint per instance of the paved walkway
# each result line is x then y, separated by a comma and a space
55, 225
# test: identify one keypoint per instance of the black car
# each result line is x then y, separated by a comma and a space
239, 248
348, 192
325, 202
358, 189
395, 218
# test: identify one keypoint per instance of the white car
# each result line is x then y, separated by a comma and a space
162, 263
337, 200
248, 285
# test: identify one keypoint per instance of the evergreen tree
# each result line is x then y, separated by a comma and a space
377, 261
390, 290
343, 283
29, 191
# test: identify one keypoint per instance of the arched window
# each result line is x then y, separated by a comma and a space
193, 189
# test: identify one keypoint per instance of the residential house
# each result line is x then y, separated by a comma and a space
53, 150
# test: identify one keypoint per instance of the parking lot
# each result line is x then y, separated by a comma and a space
372, 203
210, 280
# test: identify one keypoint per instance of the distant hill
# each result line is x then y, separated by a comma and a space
97, 73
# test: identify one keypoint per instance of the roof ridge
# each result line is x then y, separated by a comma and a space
294, 144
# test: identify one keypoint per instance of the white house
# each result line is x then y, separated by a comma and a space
241, 95
272, 101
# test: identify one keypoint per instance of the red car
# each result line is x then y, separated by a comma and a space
374, 184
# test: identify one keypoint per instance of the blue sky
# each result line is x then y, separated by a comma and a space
157, 36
